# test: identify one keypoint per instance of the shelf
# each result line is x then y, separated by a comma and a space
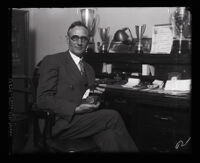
184, 59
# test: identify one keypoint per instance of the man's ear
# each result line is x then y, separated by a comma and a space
67, 38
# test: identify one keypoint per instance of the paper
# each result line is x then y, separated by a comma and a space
178, 85
135, 73
87, 92
104, 70
152, 70
145, 69
107, 68
148, 69
158, 82
131, 82
162, 39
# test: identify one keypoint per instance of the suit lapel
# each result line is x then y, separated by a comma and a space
73, 71
69, 65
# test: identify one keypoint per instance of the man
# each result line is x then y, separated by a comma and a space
62, 84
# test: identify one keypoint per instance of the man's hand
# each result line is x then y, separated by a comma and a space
86, 108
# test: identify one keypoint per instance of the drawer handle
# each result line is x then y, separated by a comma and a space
163, 118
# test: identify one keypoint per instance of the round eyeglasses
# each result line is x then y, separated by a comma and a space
76, 38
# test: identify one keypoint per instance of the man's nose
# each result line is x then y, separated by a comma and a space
79, 41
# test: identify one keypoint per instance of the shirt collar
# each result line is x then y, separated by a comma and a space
75, 58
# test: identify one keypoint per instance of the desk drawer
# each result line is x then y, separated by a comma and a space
156, 118
163, 118
155, 140
159, 129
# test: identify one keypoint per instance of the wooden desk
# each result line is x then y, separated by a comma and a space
157, 122
163, 98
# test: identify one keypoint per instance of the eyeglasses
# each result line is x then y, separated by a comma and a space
76, 38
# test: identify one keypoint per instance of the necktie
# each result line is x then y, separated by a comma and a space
81, 67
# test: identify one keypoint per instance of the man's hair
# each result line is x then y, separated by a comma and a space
75, 24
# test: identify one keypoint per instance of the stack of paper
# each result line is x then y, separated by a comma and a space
158, 83
131, 82
178, 85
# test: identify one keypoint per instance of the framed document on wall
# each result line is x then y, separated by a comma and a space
162, 39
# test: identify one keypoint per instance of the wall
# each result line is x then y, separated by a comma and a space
49, 25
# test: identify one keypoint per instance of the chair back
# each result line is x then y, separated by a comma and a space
42, 119
34, 82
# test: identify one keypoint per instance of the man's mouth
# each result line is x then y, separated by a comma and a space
79, 48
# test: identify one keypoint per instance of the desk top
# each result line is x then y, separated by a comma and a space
160, 97
157, 91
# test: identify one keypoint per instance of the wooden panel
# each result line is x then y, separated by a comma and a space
19, 132
19, 106
19, 42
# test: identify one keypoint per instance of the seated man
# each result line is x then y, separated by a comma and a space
62, 84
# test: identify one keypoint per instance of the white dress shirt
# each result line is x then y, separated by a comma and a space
75, 59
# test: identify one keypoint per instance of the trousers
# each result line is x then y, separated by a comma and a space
105, 126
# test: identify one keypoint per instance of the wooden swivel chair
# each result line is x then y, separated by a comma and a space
42, 137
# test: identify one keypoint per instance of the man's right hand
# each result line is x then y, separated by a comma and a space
86, 108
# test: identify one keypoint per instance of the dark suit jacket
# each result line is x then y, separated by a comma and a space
61, 85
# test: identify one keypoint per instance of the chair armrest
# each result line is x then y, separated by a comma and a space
49, 118
42, 112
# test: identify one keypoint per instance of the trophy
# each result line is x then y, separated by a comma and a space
89, 18
103, 32
139, 32
180, 18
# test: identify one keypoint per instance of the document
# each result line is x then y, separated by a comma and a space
131, 82
178, 85
86, 94
162, 39
148, 69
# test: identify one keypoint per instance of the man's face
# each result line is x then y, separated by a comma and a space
78, 40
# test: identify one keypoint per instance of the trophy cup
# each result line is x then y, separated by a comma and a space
89, 18
139, 32
180, 19
103, 32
